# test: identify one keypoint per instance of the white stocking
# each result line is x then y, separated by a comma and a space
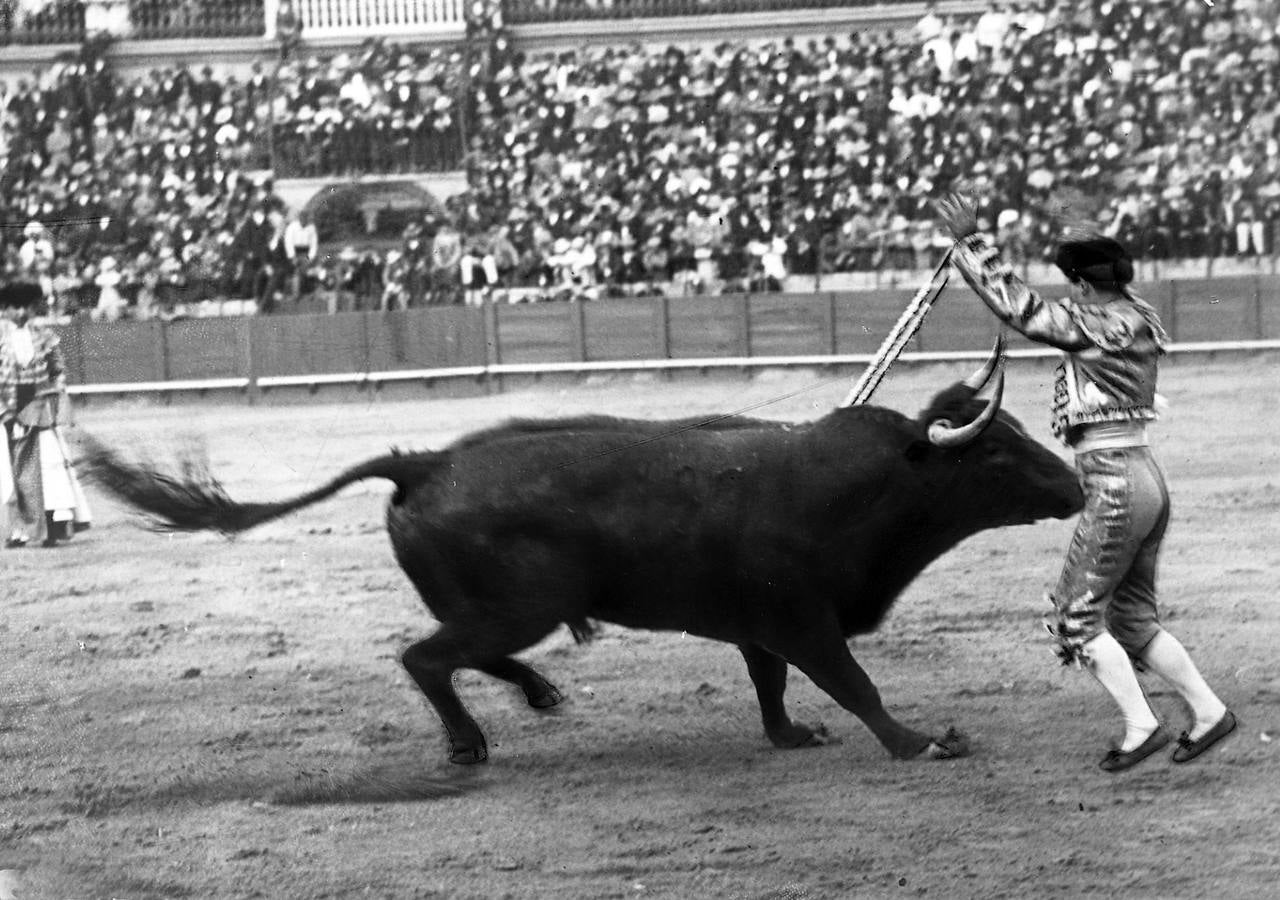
1166, 656
1110, 665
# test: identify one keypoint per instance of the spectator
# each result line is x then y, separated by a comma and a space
478, 270
1250, 228
301, 247
288, 30
36, 257
395, 291
254, 255
446, 261
655, 260
110, 303
930, 25
506, 258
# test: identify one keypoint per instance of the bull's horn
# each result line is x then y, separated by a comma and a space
978, 380
943, 434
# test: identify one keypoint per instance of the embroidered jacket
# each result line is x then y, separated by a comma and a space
44, 369
1108, 370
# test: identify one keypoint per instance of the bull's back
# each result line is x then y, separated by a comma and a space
697, 531
625, 485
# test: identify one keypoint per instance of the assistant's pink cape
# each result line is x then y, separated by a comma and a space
62, 493
48, 468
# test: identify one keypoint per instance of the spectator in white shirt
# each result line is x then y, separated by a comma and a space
110, 304
992, 27
943, 54
36, 254
301, 247
930, 25
1029, 20
966, 46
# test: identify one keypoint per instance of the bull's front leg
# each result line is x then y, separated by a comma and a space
827, 661
769, 675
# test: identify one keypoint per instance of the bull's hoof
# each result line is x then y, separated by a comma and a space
547, 699
798, 735
951, 745
468, 756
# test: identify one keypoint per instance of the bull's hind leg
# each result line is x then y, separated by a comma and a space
432, 662
769, 675
490, 608
540, 693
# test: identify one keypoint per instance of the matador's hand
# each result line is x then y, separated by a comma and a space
958, 214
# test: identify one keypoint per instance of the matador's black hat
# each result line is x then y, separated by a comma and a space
1097, 260
21, 295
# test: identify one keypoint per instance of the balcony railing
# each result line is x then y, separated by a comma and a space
367, 18
61, 22
370, 148
527, 12
157, 19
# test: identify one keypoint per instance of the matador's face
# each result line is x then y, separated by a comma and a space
1078, 291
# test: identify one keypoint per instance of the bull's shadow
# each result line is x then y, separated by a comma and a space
399, 780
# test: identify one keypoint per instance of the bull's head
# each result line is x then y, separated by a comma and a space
1000, 475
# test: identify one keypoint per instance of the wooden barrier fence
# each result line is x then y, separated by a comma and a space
256, 353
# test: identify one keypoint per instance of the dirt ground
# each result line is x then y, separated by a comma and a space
186, 716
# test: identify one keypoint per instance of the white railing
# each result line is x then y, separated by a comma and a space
744, 363
365, 18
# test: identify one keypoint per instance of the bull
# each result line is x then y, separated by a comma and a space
782, 539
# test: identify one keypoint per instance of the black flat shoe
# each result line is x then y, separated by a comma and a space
15, 542
1189, 749
1119, 760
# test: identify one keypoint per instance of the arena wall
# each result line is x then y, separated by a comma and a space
253, 355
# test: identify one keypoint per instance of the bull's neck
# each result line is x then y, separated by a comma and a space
923, 533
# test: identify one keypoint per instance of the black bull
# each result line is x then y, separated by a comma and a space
784, 539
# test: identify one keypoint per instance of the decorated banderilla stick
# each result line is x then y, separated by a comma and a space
903, 330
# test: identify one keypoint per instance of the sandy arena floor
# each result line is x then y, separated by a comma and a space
191, 717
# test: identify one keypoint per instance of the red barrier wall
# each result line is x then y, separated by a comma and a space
437, 337
1234, 308
794, 325
206, 348
624, 329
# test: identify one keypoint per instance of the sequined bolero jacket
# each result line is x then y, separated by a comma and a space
1110, 350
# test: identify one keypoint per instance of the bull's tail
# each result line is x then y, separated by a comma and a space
193, 500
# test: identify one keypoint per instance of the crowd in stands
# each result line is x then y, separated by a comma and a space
162, 185
838, 147
150, 178
617, 168
381, 110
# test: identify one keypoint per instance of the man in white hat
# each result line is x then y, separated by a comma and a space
36, 255
110, 303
